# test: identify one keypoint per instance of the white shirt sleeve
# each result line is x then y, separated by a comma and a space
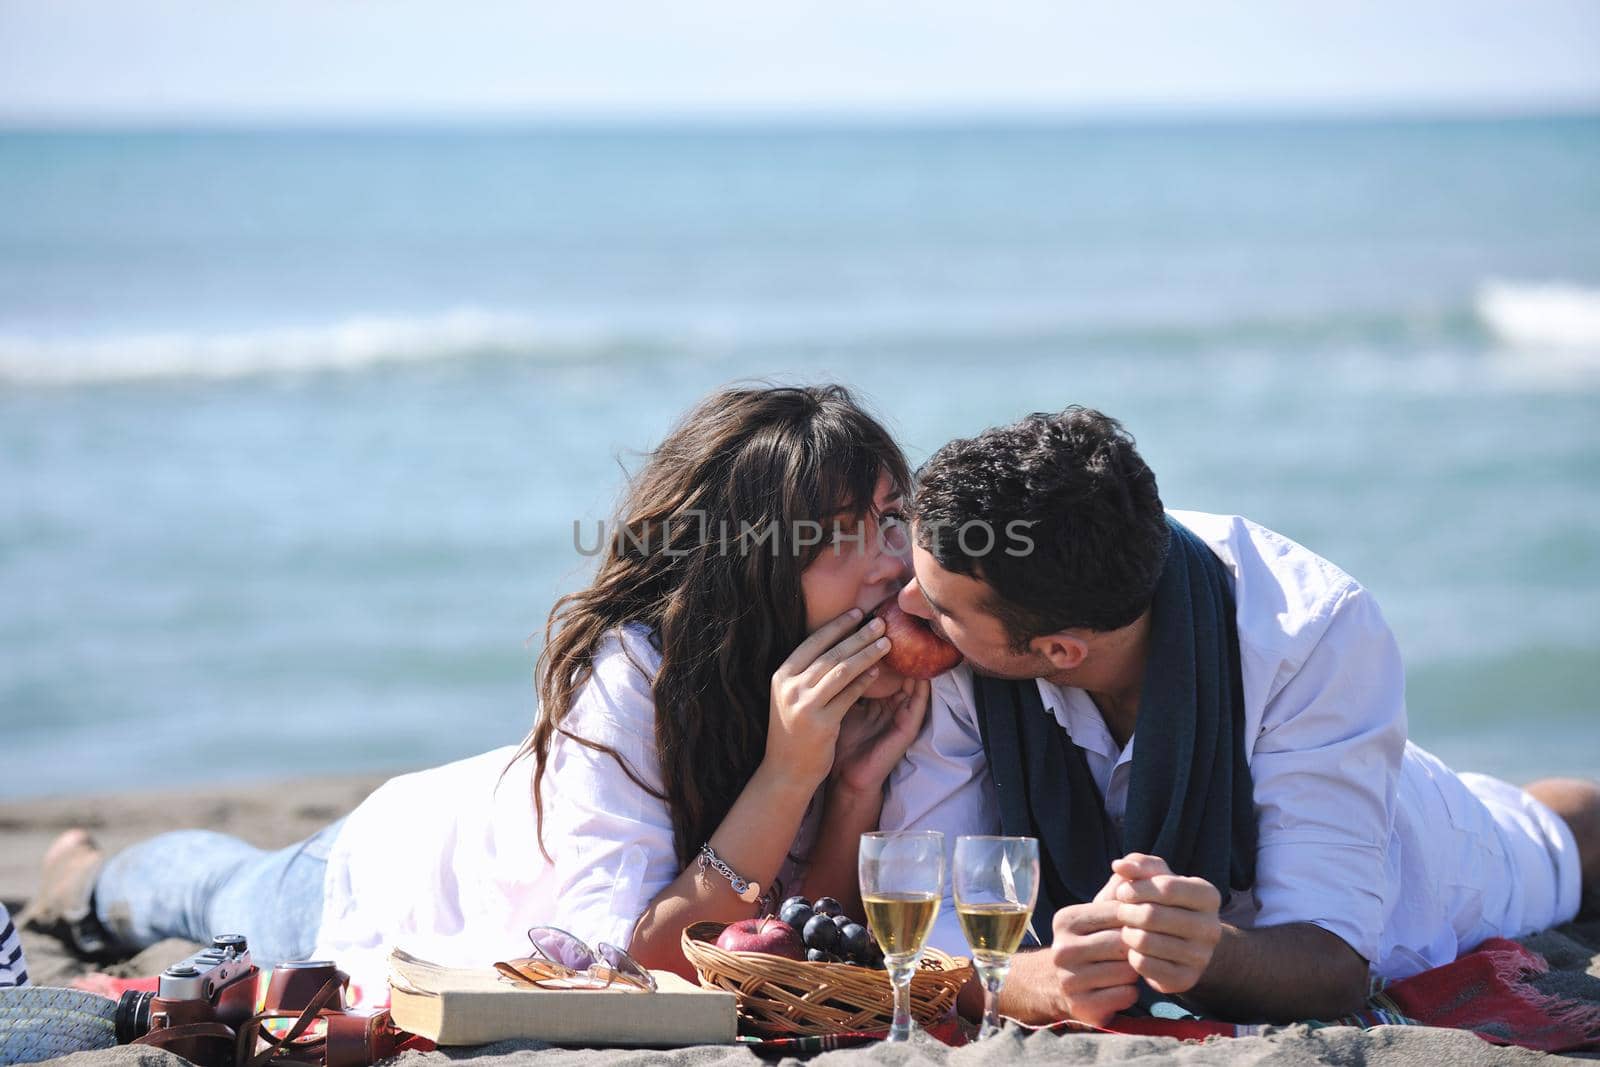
1326, 767
943, 784
610, 839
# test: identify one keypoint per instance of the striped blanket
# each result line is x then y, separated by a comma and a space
13, 968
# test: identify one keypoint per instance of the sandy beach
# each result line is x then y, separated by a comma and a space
275, 815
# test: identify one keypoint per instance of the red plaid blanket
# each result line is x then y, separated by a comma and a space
1494, 991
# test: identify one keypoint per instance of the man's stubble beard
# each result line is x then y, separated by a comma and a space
1019, 669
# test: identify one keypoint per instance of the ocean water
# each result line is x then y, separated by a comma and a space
294, 426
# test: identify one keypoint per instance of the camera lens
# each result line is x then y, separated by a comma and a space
133, 1016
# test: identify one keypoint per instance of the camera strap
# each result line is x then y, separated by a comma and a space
170, 1034
281, 1047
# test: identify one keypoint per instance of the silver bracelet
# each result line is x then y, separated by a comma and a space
749, 892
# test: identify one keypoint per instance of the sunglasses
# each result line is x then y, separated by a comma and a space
563, 961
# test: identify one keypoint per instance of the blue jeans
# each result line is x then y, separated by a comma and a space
196, 883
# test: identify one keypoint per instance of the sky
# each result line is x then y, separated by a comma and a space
140, 61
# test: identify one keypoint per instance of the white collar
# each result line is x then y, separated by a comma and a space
1075, 711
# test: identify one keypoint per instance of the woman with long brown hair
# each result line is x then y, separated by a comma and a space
714, 732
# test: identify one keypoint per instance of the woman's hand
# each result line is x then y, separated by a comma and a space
874, 736
872, 739
811, 692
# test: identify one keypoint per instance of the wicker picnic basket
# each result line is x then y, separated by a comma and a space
780, 997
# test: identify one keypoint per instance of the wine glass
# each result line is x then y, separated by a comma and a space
996, 882
902, 883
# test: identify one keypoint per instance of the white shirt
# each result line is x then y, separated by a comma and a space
446, 864
1361, 832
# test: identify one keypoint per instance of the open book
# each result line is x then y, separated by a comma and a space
467, 1006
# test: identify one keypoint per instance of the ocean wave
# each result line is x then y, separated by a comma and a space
366, 342
1550, 316
351, 344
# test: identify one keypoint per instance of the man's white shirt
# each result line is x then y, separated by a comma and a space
1361, 832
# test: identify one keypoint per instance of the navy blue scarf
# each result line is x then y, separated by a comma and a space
1190, 800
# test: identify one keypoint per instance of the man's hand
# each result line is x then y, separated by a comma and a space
1091, 978
1145, 922
1149, 923
1168, 923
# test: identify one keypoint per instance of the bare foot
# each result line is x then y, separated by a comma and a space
66, 883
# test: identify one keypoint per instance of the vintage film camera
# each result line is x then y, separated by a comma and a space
214, 988
204, 1010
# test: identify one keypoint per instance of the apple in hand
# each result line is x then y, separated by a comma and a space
914, 649
773, 936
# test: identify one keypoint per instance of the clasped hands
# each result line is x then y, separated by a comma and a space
1145, 923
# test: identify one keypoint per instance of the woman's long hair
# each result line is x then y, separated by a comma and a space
704, 553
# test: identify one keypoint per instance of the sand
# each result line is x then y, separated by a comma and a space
280, 814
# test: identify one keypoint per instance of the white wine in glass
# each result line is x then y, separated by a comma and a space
902, 883
900, 921
996, 881
994, 930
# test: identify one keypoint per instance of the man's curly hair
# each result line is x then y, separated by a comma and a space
1092, 512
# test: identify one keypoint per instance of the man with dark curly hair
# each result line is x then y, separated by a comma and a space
1274, 840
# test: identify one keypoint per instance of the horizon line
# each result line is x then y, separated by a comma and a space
801, 117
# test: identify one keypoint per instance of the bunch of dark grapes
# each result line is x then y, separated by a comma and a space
829, 934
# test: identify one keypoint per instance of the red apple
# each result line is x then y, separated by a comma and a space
914, 649
773, 936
